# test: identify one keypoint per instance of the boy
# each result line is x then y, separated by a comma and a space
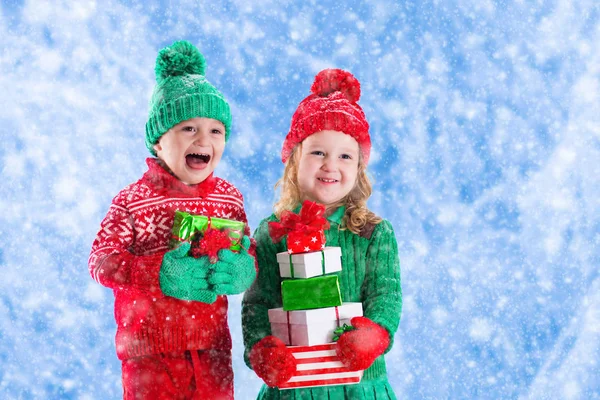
171, 312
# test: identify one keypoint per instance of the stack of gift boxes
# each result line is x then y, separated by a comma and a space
313, 315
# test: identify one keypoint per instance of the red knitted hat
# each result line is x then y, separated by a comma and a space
330, 106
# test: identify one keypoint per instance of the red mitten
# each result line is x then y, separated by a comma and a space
272, 361
358, 348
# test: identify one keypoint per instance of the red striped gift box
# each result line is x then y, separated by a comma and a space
319, 366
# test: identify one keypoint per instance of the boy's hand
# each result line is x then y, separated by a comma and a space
185, 277
234, 272
358, 348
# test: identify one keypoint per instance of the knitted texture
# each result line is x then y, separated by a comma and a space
234, 272
370, 274
160, 377
272, 361
358, 348
127, 255
185, 277
182, 92
332, 105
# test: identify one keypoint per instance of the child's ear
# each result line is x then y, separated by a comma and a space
157, 147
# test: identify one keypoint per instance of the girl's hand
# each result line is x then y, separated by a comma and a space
359, 348
272, 361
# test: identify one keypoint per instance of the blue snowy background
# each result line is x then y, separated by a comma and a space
485, 120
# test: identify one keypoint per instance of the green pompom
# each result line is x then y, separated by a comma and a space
179, 59
182, 92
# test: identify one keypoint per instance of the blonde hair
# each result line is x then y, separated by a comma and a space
357, 214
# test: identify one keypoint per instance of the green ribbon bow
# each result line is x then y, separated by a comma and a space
340, 330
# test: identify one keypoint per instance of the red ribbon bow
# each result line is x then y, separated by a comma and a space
311, 219
213, 241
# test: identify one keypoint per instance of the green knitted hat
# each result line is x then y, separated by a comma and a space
182, 92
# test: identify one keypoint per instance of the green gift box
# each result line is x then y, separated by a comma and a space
306, 294
189, 228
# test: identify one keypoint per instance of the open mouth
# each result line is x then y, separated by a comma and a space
327, 180
197, 160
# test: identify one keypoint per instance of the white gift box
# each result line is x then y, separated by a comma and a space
311, 327
307, 265
319, 366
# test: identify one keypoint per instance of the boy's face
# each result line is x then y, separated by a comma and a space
192, 148
328, 167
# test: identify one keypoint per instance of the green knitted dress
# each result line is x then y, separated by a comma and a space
370, 274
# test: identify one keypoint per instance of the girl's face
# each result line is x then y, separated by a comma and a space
192, 148
328, 167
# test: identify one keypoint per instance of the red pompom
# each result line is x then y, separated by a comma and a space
213, 241
336, 80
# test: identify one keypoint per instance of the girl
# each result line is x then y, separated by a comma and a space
326, 153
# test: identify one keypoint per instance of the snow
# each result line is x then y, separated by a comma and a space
485, 128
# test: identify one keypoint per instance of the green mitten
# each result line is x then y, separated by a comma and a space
184, 277
234, 272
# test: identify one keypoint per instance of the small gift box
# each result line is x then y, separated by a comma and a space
305, 232
311, 327
319, 366
208, 235
307, 265
305, 241
305, 294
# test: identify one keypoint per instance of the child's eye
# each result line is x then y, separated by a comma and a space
317, 153
346, 156
217, 131
188, 129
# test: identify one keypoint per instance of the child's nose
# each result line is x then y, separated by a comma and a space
328, 164
201, 138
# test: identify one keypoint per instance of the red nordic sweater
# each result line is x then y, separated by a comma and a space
127, 254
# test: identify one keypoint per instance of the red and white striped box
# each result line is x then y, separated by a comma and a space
319, 366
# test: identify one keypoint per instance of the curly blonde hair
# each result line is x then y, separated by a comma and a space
357, 214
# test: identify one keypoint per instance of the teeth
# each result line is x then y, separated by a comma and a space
327, 180
200, 156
